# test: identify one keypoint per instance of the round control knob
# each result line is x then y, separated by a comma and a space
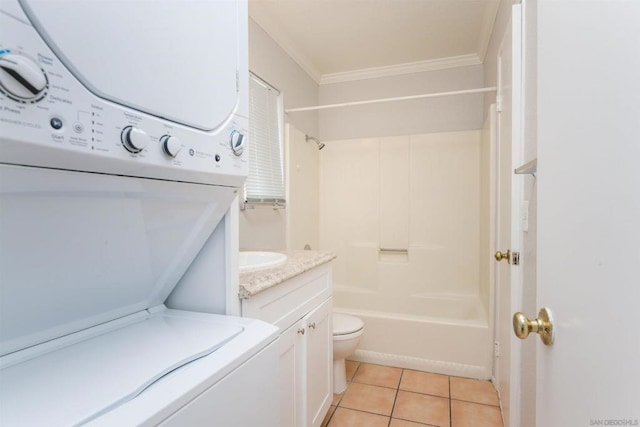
170, 145
134, 139
237, 142
21, 78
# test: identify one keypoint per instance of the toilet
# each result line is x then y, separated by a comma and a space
346, 335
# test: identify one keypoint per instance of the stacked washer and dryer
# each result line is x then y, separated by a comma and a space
122, 140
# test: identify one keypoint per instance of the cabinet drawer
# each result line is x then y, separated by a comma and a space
284, 304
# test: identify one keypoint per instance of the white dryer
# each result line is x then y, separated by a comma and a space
122, 151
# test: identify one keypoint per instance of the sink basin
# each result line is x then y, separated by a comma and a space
254, 261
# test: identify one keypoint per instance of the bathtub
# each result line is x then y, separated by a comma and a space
447, 334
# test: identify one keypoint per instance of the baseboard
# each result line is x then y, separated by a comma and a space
418, 364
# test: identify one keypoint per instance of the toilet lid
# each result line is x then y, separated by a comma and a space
344, 324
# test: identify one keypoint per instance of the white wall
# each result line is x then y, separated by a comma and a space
418, 192
463, 112
262, 228
490, 65
303, 188
275, 66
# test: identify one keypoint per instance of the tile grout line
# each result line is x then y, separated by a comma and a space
415, 422
365, 412
477, 403
397, 390
331, 417
395, 398
343, 393
450, 412
383, 386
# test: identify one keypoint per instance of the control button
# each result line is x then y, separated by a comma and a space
217, 158
170, 145
134, 139
21, 77
78, 127
56, 123
237, 142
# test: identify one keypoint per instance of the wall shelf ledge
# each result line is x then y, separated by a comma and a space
529, 168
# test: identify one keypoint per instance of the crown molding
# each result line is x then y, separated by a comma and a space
300, 59
489, 21
399, 69
286, 45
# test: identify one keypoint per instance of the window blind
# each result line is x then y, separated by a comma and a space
266, 177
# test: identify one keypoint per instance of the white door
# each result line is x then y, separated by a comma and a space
507, 274
588, 209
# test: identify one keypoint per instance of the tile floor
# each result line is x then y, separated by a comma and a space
393, 397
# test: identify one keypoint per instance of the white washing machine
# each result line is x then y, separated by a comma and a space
122, 150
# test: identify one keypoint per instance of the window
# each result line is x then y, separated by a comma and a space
265, 183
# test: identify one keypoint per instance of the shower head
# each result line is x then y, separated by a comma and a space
308, 138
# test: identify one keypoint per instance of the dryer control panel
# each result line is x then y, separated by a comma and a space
50, 119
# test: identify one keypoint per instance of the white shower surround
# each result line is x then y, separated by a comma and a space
423, 306
446, 334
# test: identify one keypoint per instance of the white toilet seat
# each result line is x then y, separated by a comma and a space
343, 324
347, 337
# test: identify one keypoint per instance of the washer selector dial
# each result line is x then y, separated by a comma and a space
171, 145
237, 142
21, 78
134, 139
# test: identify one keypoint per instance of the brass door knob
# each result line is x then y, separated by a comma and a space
503, 256
543, 326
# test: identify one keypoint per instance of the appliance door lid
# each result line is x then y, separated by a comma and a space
81, 249
171, 59
76, 383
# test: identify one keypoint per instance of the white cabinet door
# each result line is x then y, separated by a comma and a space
319, 352
301, 308
291, 375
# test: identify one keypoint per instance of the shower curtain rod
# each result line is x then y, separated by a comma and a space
399, 98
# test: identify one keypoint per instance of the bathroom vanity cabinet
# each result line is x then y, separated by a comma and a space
301, 308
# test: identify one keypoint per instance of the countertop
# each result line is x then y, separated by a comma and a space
254, 282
